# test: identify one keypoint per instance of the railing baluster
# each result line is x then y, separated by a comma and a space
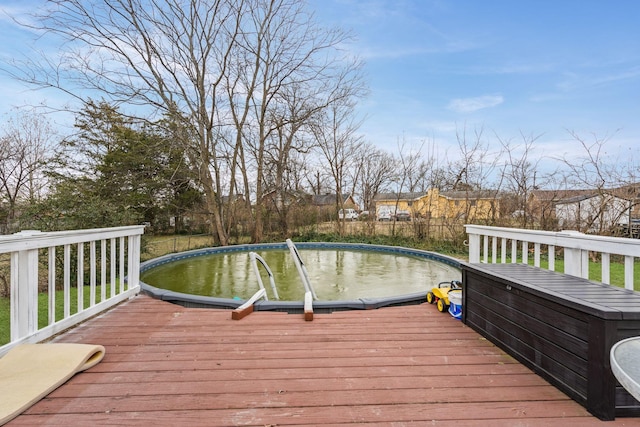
494, 249
628, 272
80, 277
113, 267
92, 273
485, 249
536, 254
606, 272
585, 264
121, 264
51, 288
67, 280
103, 270
16, 321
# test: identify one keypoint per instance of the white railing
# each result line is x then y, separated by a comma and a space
502, 245
105, 261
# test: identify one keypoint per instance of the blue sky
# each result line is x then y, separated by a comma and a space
510, 67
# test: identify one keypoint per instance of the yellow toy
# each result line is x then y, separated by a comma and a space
440, 294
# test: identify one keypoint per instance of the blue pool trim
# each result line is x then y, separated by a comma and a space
189, 300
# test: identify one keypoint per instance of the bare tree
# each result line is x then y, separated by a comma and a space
282, 165
376, 170
412, 167
591, 168
25, 143
220, 70
293, 69
335, 132
320, 82
165, 57
476, 164
472, 176
519, 173
318, 178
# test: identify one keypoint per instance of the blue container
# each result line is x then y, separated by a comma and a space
455, 303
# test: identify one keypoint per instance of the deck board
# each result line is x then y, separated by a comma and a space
170, 365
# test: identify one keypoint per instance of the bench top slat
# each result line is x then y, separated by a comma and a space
594, 298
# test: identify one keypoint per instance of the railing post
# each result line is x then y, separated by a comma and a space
24, 290
133, 262
574, 257
474, 248
573, 261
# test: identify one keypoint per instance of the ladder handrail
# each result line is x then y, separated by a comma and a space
260, 293
247, 308
302, 270
255, 257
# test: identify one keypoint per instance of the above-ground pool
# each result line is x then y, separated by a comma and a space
343, 276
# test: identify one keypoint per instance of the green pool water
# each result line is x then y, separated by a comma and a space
335, 274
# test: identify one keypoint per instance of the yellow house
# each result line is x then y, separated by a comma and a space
467, 205
403, 201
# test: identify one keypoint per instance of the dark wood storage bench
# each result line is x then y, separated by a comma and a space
560, 326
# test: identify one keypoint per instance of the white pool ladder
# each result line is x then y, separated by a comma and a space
302, 270
310, 293
255, 258
247, 308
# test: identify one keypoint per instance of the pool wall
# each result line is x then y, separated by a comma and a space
189, 300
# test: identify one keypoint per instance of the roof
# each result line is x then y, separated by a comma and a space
399, 196
556, 195
580, 197
452, 195
627, 192
327, 199
470, 195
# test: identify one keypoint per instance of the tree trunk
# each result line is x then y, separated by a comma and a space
213, 207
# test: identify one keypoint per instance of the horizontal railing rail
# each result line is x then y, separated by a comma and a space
501, 245
104, 261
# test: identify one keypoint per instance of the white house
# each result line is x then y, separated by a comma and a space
595, 212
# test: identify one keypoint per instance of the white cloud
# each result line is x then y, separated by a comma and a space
574, 81
394, 52
469, 105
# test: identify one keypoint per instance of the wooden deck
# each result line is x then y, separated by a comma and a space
400, 366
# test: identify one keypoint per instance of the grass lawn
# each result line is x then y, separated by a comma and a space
5, 333
155, 246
